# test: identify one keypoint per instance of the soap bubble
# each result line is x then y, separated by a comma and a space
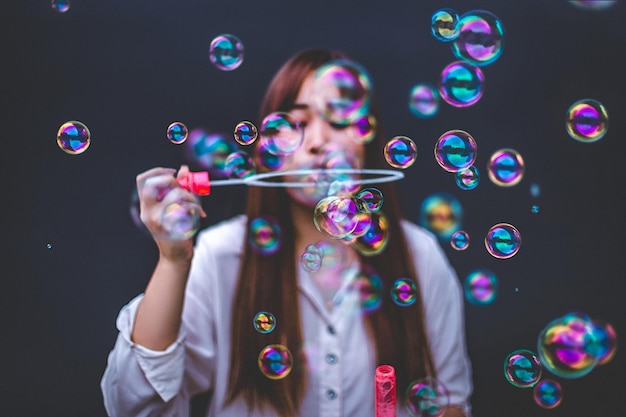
503, 241
593, 4
587, 120
342, 91
404, 292
264, 235
444, 25
73, 137
522, 368
442, 214
603, 344
245, 132
481, 287
177, 133
424, 100
461, 84
369, 200
375, 239
335, 216
480, 38
209, 151
460, 240
505, 167
275, 361
226, 52
363, 129
180, 220
455, 150
467, 178
311, 259
61, 6
281, 133
427, 397
548, 393
400, 152
369, 286
264, 322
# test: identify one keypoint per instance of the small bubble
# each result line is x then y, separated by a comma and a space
73, 137
444, 25
404, 292
503, 241
264, 322
587, 120
245, 133
226, 52
400, 152
461, 84
61, 6
455, 150
177, 133
522, 368
275, 361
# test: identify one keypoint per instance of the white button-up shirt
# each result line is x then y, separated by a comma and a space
341, 359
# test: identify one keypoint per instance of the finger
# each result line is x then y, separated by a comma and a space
141, 178
182, 172
179, 195
155, 188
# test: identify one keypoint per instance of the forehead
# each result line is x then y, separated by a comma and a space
307, 90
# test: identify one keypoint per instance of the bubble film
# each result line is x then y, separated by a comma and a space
506, 167
375, 239
400, 152
444, 25
480, 38
239, 165
442, 214
311, 259
565, 346
548, 393
467, 178
275, 361
455, 150
342, 91
404, 292
424, 100
481, 287
587, 120
460, 240
369, 200
245, 133
73, 137
264, 322
461, 84
177, 133
226, 52
264, 235
427, 397
503, 241
281, 133
61, 6
180, 221
209, 151
522, 368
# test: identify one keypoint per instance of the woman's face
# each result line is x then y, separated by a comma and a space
325, 146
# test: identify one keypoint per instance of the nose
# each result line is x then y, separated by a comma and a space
317, 135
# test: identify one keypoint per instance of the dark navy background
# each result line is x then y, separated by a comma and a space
128, 69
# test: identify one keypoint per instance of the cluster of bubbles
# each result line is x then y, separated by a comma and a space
460, 240
404, 292
245, 133
427, 397
505, 167
264, 322
522, 368
587, 120
503, 240
264, 235
572, 345
73, 137
400, 152
226, 52
177, 133
275, 361
480, 286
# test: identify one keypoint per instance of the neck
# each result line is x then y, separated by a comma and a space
305, 230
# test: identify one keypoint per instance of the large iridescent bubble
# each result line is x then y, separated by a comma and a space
226, 52
275, 361
604, 341
281, 133
442, 214
180, 220
375, 239
503, 241
73, 137
335, 216
461, 84
506, 167
400, 152
566, 346
264, 235
239, 165
427, 397
587, 120
548, 393
424, 100
444, 25
481, 286
455, 150
342, 91
522, 368
480, 39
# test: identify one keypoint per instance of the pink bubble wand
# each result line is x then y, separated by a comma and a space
385, 396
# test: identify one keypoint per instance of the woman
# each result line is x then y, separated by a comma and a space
191, 330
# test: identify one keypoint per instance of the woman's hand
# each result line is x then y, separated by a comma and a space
157, 188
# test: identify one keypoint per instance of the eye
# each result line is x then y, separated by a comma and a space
339, 126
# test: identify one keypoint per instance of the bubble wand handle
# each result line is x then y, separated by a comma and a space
385, 395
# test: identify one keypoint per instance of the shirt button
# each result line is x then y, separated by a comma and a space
330, 329
331, 394
331, 358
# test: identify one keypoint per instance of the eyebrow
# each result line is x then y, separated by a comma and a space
299, 106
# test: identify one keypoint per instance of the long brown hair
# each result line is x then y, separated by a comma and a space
269, 283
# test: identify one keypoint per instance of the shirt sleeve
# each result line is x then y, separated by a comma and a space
142, 382
444, 317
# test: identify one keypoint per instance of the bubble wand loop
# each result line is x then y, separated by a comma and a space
199, 182
385, 395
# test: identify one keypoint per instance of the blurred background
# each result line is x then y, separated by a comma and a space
73, 255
